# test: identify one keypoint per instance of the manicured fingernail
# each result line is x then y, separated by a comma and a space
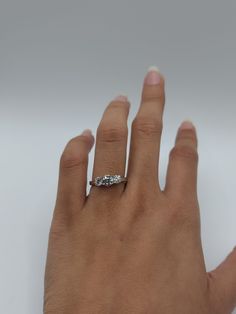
153, 76
187, 125
87, 132
121, 98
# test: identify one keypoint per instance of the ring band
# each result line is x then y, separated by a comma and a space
108, 180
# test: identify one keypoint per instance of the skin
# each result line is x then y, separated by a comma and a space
132, 248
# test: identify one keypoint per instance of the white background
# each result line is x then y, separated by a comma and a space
60, 65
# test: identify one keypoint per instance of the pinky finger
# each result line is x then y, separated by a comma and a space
72, 183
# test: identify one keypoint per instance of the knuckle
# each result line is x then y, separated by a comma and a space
115, 105
147, 126
184, 151
69, 161
177, 214
72, 157
187, 134
152, 98
57, 231
182, 218
112, 133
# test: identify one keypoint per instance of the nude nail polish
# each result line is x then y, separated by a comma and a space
121, 98
87, 132
187, 125
153, 76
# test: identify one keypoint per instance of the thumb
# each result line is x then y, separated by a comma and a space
222, 282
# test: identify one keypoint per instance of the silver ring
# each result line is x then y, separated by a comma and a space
108, 180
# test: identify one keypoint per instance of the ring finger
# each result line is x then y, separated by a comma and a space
111, 145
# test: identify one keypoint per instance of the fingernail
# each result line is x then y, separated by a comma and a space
87, 132
153, 76
121, 98
187, 125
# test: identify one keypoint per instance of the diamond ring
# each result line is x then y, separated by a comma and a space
108, 180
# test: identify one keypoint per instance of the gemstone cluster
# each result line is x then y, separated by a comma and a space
107, 180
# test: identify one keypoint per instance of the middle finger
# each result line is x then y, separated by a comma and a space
146, 133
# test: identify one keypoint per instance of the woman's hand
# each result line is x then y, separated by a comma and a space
132, 248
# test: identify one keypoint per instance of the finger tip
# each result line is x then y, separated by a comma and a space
88, 133
121, 97
153, 76
153, 68
187, 125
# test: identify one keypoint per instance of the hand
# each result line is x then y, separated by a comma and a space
132, 248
